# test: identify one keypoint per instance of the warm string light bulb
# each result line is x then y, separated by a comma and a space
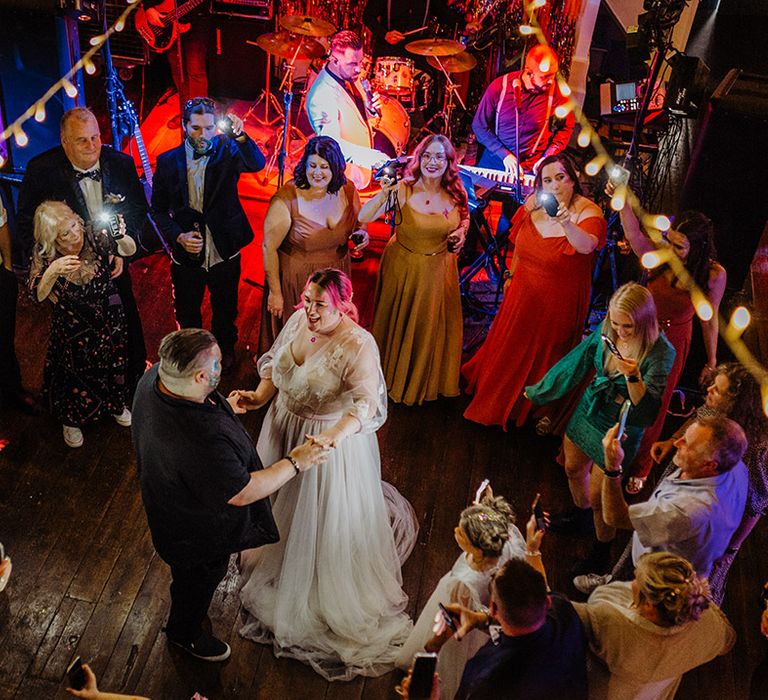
651, 259
70, 89
544, 65
662, 222
90, 66
740, 318
120, 25
561, 111
704, 310
585, 136
40, 112
618, 201
97, 40
536, 4
593, 167
565, 89
764, 392
526, 29
21, 138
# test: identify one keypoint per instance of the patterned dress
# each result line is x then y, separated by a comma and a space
85, 368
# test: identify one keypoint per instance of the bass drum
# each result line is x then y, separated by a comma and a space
392, 129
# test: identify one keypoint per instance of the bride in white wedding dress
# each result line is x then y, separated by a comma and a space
329, 593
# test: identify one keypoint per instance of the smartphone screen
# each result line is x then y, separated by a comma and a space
76, 674
623, 413
538, 513
618, 176
611, 346
422, 677
447, 618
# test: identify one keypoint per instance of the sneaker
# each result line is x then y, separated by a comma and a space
588, 582
73, 436
123, 418
205, 648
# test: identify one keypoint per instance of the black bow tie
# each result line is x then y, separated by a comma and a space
204, 154
92, 174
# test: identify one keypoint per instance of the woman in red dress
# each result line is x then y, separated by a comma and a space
545, 302
692, 241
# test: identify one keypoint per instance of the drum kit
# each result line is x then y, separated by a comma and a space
403, 88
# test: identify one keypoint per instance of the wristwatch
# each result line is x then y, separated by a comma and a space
613, 474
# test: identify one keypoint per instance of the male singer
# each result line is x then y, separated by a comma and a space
338, 106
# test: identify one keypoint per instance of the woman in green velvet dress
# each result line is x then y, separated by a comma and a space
638, 373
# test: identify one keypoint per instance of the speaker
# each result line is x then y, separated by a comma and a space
236, 69
687, 86
727, 177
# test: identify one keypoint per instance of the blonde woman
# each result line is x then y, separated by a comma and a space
632, 364
85, 368
650, 631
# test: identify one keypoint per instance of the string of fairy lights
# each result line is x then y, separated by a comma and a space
654, 224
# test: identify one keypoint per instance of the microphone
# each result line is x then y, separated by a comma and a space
518, 93
366, 85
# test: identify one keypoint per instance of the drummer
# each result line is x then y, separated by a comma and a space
338, 106
393, 23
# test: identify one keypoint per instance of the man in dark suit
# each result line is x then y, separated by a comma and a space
196, 205
92, 179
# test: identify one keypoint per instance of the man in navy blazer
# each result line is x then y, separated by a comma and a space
196, 205
91, 179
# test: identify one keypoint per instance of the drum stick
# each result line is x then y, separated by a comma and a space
415, 31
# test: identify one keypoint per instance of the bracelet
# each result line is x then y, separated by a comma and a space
529, 553
294, 463
613, 474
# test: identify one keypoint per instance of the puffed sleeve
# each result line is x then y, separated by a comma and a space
364, 381
290, 329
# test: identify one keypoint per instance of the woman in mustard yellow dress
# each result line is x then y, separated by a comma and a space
417, 320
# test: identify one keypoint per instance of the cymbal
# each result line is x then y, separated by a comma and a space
307, 26
435, 47
460, 63
284, 45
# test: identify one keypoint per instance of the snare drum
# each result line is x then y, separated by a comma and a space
393, 75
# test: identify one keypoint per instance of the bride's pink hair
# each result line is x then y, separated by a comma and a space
338, 287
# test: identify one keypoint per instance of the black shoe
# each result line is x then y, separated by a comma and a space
205, 648
576, 521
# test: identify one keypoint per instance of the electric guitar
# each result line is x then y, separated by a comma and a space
161, 38
127, 113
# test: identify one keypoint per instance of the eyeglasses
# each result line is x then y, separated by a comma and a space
437, 157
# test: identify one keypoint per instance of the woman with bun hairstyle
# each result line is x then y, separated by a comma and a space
488, 537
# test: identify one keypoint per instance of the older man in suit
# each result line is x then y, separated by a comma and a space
339, 107
92, 179
196, 205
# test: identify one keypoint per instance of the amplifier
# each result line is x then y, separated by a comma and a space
259, 9
128, 48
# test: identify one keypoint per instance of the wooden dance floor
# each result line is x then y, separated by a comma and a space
86, 579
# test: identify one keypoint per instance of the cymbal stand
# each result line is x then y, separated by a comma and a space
287, 130
451, 90
266, 97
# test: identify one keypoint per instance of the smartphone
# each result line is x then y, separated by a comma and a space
611, 346
424, 665
76, 674
480, 491
225, 126
538, 513
447, 618
618, 176
549, 202
623, 413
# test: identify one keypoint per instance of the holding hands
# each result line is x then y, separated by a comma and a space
310, 454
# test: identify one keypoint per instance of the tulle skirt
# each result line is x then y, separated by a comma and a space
330, 592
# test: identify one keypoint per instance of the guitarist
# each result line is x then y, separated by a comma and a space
187, 57
535, 93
